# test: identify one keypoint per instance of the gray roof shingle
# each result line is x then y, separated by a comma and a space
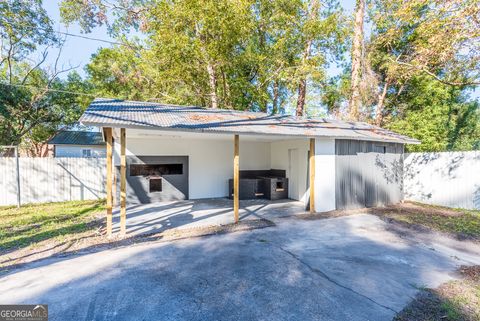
132, 114
66, 137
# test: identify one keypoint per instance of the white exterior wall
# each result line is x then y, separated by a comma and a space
77, 151
324, 175
324, 170
210, 160
280, 160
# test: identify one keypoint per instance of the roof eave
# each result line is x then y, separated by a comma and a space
72, 144
186, 130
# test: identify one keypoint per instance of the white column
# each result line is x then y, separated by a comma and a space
324, 175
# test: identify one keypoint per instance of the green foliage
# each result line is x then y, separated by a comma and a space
252, 55
34, 102
440, 116
425, 55
430, 37
117, 72
24, 25
242, 54
33, 113
335, 92
62, 109
88, 14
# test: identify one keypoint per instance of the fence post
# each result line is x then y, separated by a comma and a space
18, 176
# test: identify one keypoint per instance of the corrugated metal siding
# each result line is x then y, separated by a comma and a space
365, 176
77, 138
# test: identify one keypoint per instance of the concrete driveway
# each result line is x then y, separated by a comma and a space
348, 268
162, 216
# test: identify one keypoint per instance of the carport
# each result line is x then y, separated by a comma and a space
205, 201
211, 147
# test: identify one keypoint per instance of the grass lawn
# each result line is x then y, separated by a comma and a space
463, 224
453, 301
24, 226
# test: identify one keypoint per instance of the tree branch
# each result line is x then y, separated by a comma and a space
428, 72
57, 72
44, 57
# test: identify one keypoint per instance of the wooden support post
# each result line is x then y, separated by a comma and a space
114, 182
312, 175
109, 140
123, 183
236, 177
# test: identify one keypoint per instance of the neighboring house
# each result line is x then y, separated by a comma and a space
78, 144
184, 152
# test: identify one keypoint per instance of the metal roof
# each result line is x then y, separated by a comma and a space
132, 114
66, 137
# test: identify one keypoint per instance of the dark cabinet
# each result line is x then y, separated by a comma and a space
268, 184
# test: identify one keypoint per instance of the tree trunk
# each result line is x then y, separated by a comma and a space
226, 91
302, 84
381, 103
275, 97
302, 92
212, 80
357, 57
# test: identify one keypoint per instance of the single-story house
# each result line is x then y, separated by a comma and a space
167, 152
68, 143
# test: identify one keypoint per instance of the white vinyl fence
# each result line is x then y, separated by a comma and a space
448, 178
52, 179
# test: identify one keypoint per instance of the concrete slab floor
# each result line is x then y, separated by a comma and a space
158, 217
348, 268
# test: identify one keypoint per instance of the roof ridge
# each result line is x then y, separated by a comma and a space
77, 131
100, 99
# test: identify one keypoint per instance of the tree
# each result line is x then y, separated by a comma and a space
436, 38
439, 115
24, 26
67, 103
41, 106
242, 54
322, 34
357, 60
119, 72
200, 49
312, 17
32, 97
421, 60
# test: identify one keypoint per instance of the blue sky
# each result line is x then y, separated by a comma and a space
76, 51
